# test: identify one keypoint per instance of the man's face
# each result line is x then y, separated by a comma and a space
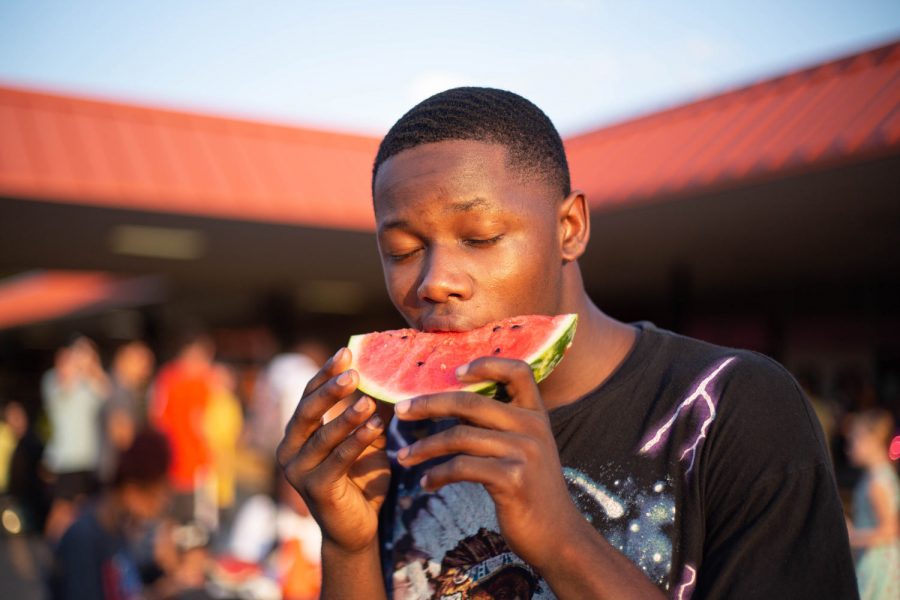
463, 239
146, 502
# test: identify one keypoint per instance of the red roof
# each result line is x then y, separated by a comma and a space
68, 149
840, 112
46, 295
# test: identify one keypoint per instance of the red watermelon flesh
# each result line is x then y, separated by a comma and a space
398, 364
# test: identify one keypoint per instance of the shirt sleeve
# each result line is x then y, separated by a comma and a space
774, 524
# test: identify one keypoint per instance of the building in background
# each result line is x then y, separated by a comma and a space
765, 217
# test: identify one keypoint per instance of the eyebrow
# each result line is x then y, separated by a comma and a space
394, 224
468, 205
456, 207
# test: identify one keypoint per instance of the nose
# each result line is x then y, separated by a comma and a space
443, 278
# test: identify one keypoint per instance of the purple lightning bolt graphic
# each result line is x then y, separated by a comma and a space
662, 434
686, 587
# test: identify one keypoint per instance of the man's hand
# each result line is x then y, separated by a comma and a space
340, 467
509, 448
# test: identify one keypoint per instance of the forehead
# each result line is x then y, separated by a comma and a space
451, 175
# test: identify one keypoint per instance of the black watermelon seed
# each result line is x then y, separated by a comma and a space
419, 363
496, 350
516, 327
403, 337
497, 328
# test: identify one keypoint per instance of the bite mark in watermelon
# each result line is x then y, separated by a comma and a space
402, 363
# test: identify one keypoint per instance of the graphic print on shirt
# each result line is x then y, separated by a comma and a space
688, 581
703, 413
447, 544
635, 518
452, 550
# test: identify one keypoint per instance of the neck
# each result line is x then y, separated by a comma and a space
600, 345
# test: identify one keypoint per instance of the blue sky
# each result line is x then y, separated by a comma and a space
358, 66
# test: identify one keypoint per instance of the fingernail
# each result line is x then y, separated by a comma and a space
403, 452
344, 378
362, 404
337, 355
374, 423
462, 370
402, 407
423, 483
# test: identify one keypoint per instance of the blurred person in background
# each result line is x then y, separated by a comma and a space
222, 427
826, 411
177, 408
125, 412
7, 445
283, 533
279, 389
73, 392
874, 531
25, 487
182, 552
94, 558
298, 556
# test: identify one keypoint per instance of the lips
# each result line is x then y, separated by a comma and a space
447, 323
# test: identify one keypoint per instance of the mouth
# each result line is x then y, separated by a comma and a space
446, 324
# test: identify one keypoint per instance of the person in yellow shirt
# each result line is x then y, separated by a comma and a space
222, 425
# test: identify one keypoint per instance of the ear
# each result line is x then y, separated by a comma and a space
574, 226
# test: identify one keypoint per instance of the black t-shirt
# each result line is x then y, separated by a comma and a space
704, 465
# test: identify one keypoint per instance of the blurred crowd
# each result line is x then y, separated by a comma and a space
160, 481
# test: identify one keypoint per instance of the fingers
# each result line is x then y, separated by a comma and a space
476, 409
330, 385
462, 439
312, 480
490, 472
327, 437
515, 375
347, 452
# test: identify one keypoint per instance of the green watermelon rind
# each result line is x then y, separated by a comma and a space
542, 363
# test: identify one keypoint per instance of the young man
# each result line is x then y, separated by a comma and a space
93, 559
647, 465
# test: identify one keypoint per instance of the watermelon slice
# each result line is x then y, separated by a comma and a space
402, 363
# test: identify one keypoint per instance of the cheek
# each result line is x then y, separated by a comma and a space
858, 448
870, 446
527, 275
400, 281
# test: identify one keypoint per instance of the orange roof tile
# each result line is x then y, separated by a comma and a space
68, 149
839, 112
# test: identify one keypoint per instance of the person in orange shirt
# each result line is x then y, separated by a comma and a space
178, 407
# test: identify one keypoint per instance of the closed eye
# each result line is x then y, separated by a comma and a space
483, 242
400, 257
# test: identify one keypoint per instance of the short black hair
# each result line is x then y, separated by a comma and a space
485, 115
